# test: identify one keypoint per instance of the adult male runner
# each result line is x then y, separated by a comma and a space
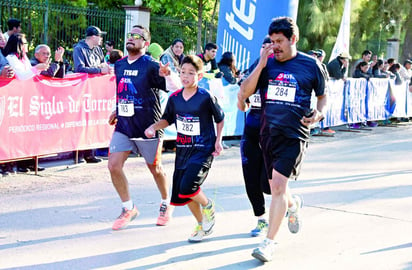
285, 83
137, 107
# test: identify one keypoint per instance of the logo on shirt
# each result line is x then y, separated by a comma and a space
126, 85
132, 72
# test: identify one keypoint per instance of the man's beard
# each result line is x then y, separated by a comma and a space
132, 50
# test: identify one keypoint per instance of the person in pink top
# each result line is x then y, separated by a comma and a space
16, 54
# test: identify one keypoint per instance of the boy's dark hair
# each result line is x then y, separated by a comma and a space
13, 23
209, 46
285, 25
193, 60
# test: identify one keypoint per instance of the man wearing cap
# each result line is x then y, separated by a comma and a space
338, 67
88, 57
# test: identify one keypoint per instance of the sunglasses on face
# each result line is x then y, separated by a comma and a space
135, 36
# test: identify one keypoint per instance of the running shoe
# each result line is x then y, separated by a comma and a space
208, 213
164, 217
294, 221
198, 234
125, 217
355, 126
328, 132
261, 227
315, 131
265, 251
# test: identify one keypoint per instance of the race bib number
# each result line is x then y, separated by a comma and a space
188, 126
255, 100
282, 92
126, 109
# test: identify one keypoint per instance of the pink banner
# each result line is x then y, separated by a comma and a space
45, 115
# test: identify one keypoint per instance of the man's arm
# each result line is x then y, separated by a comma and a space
317, 114
248, 86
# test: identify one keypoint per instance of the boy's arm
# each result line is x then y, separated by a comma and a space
218, 143
150, 132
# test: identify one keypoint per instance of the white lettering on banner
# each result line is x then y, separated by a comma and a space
45, 108
49, 108
245, 18
15, 106
92, 105
74, 106
22, 128
71, 124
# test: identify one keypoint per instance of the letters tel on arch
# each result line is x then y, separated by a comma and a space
243, 24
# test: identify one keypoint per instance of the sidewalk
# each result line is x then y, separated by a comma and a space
357, 189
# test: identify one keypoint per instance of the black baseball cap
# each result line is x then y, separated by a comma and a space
94, 31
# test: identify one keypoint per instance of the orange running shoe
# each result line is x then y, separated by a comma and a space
164, 215
125, 217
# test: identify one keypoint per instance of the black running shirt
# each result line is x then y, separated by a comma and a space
194, 120
285, 90
137, 99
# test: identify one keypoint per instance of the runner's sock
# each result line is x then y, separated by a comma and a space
165, 201
128, 204
294, 207
262, 217
208, 205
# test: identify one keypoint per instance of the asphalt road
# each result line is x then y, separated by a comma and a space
357, 189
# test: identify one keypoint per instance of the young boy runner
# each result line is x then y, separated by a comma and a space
193, 110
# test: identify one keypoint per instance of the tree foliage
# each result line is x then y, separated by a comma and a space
199, 11
372, 23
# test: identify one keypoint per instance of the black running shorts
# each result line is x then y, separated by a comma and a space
187, 182
283, 154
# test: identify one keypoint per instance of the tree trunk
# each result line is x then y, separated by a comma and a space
199, 26
407, 44
212, 22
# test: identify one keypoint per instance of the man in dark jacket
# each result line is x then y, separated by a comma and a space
338, 67
42, 54
88, 58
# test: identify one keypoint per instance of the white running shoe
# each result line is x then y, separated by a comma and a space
265, 251
198, 234
294, 221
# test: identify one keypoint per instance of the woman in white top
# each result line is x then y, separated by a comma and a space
16, 54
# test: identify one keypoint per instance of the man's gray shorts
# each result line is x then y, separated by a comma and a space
150, 149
